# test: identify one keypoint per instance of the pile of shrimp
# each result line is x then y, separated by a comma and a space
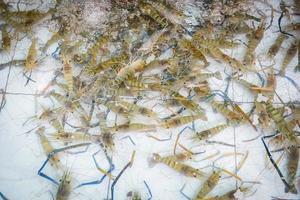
149, 69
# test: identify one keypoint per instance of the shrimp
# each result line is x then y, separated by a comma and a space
106, 138
187, 103
179, 121
280, 123
234, 63
290, 54
57, 125
68, 74
210, 183
187, 44
129, 70
133, 108
177, 166
230, 115
202, 90
94, 49
292, 166
48, 148
263, 118
244, 115
31, 60
6, 40
219, 43
149, 10
203, 135
276, 45
172, 15
74, 137
128, 127
254, 39
115, 107
94, 69
64, 188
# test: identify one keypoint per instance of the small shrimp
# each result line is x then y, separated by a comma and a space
129, 70
234, 63
290, 54
172, 15
6, 40
97, 46
187, 44
149, 10
292, 166
263, 118
31, 60
177, 166
187, 103
254, 39
64, 188
68, 74
276, 45
210, 183
48, 148
129, 127
230, 115
203, 135
115, 107
244, 115
136, 109
57, 125
202, 90
280, 123
179, 121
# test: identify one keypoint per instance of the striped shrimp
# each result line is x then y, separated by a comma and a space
203, 135
280, 123
68, 74
31, 59
181, 120
230, 115
6, 40
187, 44
276, 45
176, 165
48, 148
187, 103
253, 41
129, 70
128, 127
292, 166
290, 54
210, 183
